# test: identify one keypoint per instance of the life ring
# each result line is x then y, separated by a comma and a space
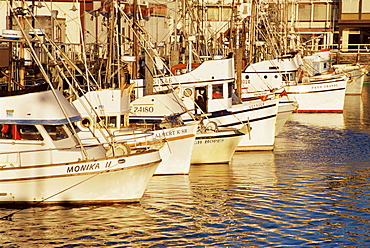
119, 150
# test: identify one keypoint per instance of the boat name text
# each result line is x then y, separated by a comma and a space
171, 133
324, 86
143, 109
87, 167
199, 142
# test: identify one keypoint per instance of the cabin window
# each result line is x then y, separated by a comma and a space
125, 120
107, 121
19, 132
56, 132
86, 122
74, 129
112, 121
188, 92
217, 91
231, 89
285, 77
201, 99
29, 132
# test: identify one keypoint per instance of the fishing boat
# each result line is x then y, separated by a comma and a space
212, 144
356, 75
111, 122
43, 161
216, 146
196, 89
321, 93
320, 63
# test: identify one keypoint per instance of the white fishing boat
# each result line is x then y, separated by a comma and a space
319, 63
216, 146
356, 75
111, 122
197, 89
323, 93
43, 161
285, 109
212, 143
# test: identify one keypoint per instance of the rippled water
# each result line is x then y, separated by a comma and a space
313, 191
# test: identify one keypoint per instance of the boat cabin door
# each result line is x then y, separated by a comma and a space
201, 99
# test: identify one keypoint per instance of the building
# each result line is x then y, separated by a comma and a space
354, 25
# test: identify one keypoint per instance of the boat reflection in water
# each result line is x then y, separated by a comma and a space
312, 190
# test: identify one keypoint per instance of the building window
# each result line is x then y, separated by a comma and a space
291, 12
304, 12
350, 6
319, 12
226, 14
365, 11
365, 7
212, 14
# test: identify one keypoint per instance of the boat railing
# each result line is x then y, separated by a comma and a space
136, 138
40, 156
341, 48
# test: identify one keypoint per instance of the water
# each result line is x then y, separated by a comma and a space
312, 191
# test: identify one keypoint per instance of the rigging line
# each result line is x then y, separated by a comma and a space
64, 55
83, 51
38, 62
49, 5
9, 216
140, 40
36, 59
175, 96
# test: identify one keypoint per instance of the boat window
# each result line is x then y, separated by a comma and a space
125, 120
112, 121
86, 122
74, 129
56, 132
19, 132
101, 122
217, 91
29, 132
287, 77
231, 89
188, 92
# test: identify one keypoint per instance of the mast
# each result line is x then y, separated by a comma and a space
251, 32
21, 51
135, 45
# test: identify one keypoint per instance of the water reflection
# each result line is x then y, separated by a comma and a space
312, 190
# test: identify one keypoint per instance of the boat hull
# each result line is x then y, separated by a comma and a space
356, 82
325, 95
117, 179
285, 109
218, 147
177, 150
